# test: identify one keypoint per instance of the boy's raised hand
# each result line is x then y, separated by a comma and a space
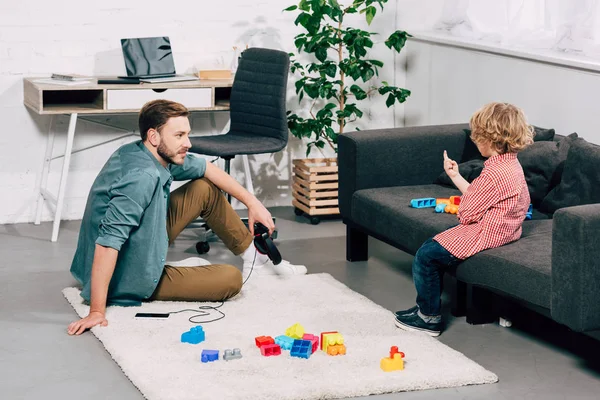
450, 166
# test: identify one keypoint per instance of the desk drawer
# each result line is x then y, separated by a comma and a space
134, 99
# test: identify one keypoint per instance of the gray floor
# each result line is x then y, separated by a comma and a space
39, 360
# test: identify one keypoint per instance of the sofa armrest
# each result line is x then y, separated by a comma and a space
576, 267
395, 157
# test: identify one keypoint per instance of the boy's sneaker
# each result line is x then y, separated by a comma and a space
413, 322
410, 311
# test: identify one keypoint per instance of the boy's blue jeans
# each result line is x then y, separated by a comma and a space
429, 265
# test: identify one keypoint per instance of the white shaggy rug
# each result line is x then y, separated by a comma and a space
152, 356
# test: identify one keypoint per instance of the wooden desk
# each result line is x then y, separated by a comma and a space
91, 99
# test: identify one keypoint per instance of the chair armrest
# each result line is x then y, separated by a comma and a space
576, 267
395, 157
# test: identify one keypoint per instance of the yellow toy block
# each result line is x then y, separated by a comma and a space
295, 331
392, 364
336, 349
442, 201
331, 339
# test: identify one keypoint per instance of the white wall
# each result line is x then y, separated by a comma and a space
450, 83
39, 37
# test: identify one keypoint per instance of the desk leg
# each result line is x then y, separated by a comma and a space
45, 170
64, 175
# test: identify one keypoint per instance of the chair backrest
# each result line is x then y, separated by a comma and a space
258, 95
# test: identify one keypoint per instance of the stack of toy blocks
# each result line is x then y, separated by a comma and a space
194, 335
394, 362
332, 343
267, 346
449, 205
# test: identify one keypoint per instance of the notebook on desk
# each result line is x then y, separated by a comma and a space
150, 60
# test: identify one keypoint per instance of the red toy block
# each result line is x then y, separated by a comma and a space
394, 350
323, 333
270, 350
263, 340
455, 200
314, 339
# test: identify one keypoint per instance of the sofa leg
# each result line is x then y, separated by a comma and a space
480, 307
357, 244
458, 298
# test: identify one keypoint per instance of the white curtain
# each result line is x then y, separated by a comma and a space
562, 25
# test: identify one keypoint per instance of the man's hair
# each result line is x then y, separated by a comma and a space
156, 113
503, 125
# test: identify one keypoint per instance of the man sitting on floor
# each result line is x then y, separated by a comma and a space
131, 217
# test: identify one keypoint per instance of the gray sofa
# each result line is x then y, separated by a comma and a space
554, 268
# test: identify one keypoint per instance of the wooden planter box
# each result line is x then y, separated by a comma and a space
315, 187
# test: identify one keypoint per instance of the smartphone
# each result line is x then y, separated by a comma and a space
151, 315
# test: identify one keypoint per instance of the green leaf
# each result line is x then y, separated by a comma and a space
291, 8
390, 100
358, 92
321, 54
334, 3
304, 5
376, 62
320, 144
371, 11
397, 40
331, 70
367, 74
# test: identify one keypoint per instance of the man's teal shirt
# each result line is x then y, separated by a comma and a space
127, 210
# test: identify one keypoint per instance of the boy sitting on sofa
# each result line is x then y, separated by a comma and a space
490, 214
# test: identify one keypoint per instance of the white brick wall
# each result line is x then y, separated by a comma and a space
39, 37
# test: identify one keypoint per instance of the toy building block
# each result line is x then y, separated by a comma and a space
322, 338
285, 342
336, 349
423, 203
232, 354
451, 209
270, 350
314, 339
301, 348
394, 362
209, 355
295, 331
263, 340
442, 201
439, 208
455, 200
330, 339
193, 336
529, 214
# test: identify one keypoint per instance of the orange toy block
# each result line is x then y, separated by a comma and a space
336, 349
394, 362
455, 200
442, 201
331, 339
263, 340
451, 209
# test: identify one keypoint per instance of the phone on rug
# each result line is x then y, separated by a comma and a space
151, 315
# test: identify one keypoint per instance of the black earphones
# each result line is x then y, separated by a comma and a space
264, 244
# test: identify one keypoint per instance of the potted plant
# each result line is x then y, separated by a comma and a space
337, 76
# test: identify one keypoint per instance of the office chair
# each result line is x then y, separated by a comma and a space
258, 121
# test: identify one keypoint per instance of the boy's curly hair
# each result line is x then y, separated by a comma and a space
503, 125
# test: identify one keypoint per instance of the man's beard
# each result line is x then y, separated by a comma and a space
165, 154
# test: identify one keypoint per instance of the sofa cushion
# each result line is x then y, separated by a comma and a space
580, 179
539, 161
387, 212
521, 269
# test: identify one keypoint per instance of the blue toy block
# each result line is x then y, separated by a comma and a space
285, 342
529, 214
301, 348
232, 354
193, 336
423, 203
209, 355
440, 208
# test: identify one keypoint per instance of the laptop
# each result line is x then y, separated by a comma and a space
150, 60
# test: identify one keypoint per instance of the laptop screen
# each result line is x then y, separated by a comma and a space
148, 56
